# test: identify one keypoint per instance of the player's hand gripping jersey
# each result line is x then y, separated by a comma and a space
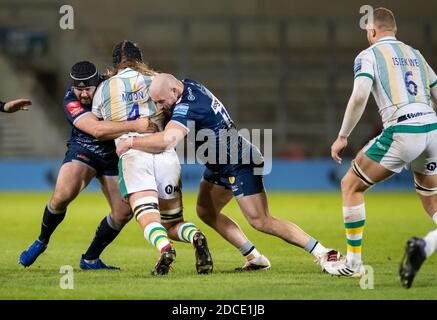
402, 80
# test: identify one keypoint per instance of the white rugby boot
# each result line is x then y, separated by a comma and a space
342, 268
258, 263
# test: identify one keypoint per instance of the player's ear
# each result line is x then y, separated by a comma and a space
373, 33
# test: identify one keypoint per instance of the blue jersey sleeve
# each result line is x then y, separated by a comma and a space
180, 114
72, 107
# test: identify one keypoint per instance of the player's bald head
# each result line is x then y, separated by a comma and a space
162, 83
384, 20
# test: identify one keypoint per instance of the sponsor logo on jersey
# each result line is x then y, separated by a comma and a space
231, 180
83, 157
169, 189
75, 108
191, 97
180, 110
357, 65
216, 105
431, 166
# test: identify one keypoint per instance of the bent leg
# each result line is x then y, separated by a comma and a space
426, 187
363, 174
172, 218
210, 201
72, 178
111, 225
180, 230
255, 209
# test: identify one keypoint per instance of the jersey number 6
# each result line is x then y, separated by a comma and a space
410, 84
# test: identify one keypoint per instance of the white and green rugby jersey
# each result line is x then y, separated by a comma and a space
125, 96
402, 80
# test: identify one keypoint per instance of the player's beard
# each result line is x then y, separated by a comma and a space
86, 101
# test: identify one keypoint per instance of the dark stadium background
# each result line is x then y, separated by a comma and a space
281, 65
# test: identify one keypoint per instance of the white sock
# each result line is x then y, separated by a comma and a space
318, 249
253, 255
434, 217
431, 243
156, 235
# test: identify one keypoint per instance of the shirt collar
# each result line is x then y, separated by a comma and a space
387, 38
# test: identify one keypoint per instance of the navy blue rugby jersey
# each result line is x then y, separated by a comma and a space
74, 110
200, 110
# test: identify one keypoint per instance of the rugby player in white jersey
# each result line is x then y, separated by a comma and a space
145, 177
405, 89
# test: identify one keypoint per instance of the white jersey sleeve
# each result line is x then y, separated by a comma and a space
97, 102
364, 65
432, 86
432, 77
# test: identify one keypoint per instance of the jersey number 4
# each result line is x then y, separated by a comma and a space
134, 113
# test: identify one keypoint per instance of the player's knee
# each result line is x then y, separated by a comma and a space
345, 183
61, 200
121, 218
262, 224
351, 184
207, 215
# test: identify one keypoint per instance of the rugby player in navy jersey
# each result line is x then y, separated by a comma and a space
194, 107
86, 158
15, 105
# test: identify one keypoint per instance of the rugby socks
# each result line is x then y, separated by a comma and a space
315, 247
50, 220
186, 232
249, 251
431, 243
354, 219
156, 235
106, 232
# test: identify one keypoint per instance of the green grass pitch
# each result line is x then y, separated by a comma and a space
391, 219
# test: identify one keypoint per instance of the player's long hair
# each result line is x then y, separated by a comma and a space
140, 67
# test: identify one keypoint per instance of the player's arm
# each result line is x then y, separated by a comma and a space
354, 111
157, 142
109, 130
15, 105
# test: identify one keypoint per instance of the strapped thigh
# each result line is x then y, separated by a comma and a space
361, 175
172, 215
146, 205
427, 192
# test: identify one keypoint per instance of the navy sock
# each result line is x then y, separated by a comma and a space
105, 234
49, 223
